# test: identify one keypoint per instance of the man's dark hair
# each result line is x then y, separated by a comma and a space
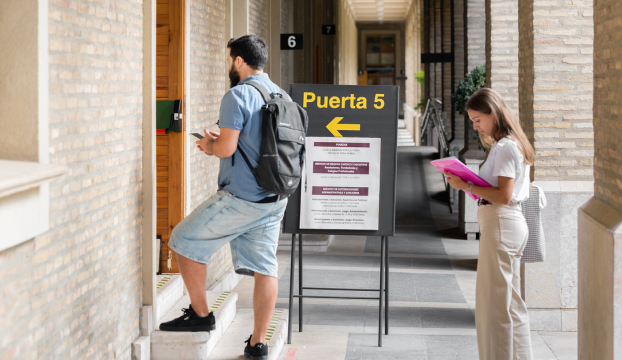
252, 49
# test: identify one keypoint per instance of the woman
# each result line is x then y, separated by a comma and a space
501, 317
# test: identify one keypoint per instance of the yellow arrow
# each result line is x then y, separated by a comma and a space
334, 126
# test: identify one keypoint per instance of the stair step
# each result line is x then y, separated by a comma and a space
194, 345
231, 346
170, 288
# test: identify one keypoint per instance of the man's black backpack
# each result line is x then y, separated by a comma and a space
282, 156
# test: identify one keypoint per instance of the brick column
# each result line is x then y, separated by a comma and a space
556, 87
600, 220
555, 84
273, 67
458, 65
474, 56
502, 49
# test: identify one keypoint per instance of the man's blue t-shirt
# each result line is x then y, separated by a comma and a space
240, 109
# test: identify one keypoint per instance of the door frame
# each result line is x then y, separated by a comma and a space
149, 248
176, 154
149, 264
399, 60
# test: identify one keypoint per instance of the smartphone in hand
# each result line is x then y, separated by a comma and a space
197, 135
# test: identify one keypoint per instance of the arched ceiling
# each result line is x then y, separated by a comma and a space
380, 10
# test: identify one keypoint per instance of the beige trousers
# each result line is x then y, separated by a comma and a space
501, 316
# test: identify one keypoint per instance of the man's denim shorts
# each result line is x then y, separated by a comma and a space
251, 229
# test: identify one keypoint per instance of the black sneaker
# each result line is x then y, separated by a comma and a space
257, 352
190, 321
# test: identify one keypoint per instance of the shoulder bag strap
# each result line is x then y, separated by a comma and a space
264, 93
266, 96
250, 166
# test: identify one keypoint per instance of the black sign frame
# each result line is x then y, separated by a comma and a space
385, 129
367, 117
286, 41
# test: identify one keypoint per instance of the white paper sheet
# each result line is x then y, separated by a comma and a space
341, 184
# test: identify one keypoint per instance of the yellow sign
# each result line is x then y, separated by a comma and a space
335, 126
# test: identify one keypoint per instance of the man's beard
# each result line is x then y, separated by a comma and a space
234, 77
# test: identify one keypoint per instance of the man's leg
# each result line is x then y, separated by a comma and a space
194, 275
264, 300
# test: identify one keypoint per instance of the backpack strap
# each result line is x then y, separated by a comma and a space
266, 97
245, 158
261, 89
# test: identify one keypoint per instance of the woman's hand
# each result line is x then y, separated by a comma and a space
455, 182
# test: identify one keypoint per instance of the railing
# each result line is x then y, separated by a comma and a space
432, 120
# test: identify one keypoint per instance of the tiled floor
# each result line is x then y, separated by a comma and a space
432, 287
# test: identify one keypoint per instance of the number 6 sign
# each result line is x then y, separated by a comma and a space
291, 41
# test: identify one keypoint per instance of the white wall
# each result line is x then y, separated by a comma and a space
347, 61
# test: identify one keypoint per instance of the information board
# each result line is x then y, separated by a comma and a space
347, 113
341, 184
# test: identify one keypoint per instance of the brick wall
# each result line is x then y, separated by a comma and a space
304, 60
556, 83
439, 77
428, 47
502, 49
447, 67
438, 48
413, 34
526, 68
474, 56
61, 291
459, 60
205, 89
475, 33
286, 19
607, 100
258, 19
474, 37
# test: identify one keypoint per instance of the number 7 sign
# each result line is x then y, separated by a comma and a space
328, 29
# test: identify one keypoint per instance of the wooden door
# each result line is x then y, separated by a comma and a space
170, 154
380, 59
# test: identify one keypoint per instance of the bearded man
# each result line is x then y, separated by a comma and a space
241, 213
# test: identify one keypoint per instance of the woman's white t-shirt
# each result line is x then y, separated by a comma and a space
505, 159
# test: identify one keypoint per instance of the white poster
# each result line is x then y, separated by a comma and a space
341, 184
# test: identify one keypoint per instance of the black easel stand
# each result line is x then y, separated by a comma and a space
384, 288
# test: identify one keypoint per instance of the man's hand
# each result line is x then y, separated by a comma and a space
204, 144
221, 145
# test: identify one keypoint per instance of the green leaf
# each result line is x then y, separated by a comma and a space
467, 87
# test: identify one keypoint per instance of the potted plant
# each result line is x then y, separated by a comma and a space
467, 87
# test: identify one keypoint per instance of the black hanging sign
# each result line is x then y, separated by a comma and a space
291, 41
328, 29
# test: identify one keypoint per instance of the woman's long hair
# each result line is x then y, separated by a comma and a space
488, 101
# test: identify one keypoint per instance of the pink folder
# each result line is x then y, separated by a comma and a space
455, 167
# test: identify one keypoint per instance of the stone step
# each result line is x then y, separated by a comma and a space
312, 243
231, 346
194, 345
170, 288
